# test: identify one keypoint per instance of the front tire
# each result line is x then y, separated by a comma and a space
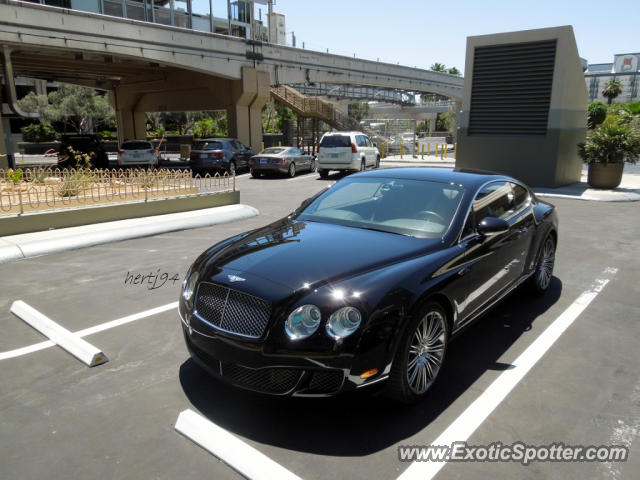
254, 174
544, 266
232, 167
324, 174
420, 354
313, 166
377, 162
363, 165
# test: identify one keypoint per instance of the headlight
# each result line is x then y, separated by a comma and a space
344, 322
189, 287
303, 322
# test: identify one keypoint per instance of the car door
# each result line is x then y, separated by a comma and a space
371, 152
493, 263
241, 154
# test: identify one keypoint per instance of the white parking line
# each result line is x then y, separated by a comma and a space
89, 331
72, 343
463, 426
242, 457
303, 177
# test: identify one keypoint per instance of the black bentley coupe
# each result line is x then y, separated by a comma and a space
365, 282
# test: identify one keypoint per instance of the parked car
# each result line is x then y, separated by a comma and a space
367, 281
89, 144
219, 155
350, 151
137, 152
284, 160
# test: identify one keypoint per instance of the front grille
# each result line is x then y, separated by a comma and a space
325, 382
268, 380
232, 311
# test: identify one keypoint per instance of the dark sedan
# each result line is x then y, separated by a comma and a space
283, 160
219, 155
365, 282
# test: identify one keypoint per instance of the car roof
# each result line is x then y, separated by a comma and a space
467, 178
351, 132
216, 139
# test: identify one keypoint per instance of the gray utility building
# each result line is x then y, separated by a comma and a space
524, 107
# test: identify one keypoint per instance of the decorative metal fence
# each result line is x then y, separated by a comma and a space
38, 189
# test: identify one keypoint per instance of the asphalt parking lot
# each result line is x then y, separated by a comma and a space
61, 419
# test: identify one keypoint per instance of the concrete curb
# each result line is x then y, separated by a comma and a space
44, 243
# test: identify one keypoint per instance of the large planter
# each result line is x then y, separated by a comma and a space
605, 175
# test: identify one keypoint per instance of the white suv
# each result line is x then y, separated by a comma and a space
346, 151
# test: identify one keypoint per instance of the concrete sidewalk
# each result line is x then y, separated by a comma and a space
35, 244
627, 191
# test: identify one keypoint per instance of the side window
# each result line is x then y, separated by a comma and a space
362, 142
295, 151
368, 142
238, 145
520, 197
493, 200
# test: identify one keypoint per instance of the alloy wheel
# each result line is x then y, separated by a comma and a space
426, 352
292, 170
547, 260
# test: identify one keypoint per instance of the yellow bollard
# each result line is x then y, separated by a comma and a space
262, 146
401, 150
279, 143
455, 150
428, 149
442, 150
422, 151
382, 152
436, 149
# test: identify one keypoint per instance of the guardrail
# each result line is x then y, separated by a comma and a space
39, 189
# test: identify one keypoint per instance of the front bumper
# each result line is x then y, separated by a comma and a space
251, 365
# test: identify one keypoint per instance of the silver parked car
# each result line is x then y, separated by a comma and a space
284, 160
137, 152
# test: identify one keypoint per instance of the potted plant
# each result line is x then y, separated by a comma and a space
606, 150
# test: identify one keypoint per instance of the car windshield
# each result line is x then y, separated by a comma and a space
336, 141
272, 151
136, 146
208, 146
408, 207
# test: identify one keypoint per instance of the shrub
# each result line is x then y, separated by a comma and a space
596, 113
14, 176
38, 132
613, 143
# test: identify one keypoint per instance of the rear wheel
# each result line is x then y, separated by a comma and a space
363, 165
292, 170
544, 266
254, 174
420, 354
232, 167
323, 173
312, 168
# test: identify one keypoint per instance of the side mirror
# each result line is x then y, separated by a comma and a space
490, 226
375, 144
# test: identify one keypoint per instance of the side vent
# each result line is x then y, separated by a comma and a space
511, 88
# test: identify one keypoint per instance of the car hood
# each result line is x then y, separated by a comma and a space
294, 253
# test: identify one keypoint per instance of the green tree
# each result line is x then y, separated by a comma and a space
78, 107
453, 71
596, 113
612, 89
359, 110
438, 67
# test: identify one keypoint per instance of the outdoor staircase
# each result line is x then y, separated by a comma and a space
315, 107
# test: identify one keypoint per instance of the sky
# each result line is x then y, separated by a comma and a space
419, 33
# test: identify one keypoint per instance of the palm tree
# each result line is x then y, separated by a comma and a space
453, 71
438, 67
612, 89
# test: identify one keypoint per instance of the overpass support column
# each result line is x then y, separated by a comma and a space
458, 114
244, 116
4, 159
131, 123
